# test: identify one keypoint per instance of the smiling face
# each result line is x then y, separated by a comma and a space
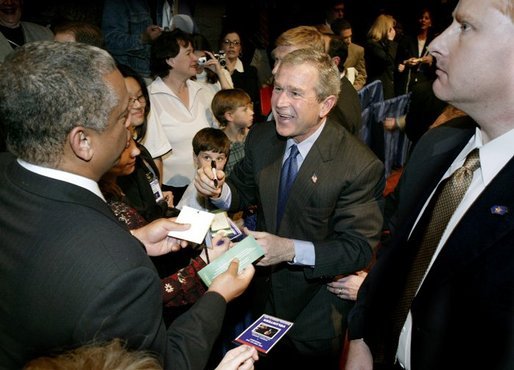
185, 62
10, 13
137, 102
474, 58
297, 111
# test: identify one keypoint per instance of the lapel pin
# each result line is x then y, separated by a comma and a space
314, 178
499, 210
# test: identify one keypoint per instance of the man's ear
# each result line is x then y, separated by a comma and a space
326, 105
336, 60
80, 143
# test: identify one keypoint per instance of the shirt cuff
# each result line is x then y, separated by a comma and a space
304, 253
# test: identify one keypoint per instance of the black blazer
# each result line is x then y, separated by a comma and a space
71, 274
347, 111
463, 314
335, 202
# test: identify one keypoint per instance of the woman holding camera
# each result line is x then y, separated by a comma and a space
243, 76
209, 70
180, 108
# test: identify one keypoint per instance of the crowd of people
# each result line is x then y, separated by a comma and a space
108, 130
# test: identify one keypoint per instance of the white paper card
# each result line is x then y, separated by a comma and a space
200, 223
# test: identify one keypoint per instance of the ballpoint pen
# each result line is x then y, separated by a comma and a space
213, 167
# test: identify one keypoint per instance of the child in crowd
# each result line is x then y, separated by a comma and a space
233, 109
209, 145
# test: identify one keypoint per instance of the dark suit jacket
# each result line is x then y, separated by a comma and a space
70, 274
335, 202
463, 314
380, 64
347, 111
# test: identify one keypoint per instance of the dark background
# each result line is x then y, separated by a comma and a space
250, 17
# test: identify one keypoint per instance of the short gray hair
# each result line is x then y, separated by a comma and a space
48, 88
329, 82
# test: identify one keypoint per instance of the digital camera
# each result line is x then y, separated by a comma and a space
220, 56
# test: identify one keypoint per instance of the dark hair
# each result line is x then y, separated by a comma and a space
84, 32
224, 34
338, 48
212, 139
127, 71
167, 45
339, 25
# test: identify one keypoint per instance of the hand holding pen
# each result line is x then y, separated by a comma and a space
209, 181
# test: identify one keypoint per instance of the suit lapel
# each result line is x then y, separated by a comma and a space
322, 151
477, 231
58, 190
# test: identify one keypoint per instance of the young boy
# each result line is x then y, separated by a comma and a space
209, 145
233, 109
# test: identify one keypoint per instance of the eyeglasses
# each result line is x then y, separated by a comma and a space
232, 43
141, 99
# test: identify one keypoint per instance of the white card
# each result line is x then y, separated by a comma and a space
200, 223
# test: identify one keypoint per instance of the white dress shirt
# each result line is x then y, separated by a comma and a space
68, 177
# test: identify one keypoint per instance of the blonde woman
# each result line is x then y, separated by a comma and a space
380, 53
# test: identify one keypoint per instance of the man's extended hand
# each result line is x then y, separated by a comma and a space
154, 236
276, 249
231, 284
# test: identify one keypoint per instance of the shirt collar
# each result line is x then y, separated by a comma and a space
493, 156
239, 66
68, 177
305, 146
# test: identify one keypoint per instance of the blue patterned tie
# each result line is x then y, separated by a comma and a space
287, 177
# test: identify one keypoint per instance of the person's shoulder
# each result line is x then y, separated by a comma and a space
356, 48
157, 86
349, 145
36, 32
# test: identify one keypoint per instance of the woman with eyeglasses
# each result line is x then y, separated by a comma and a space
142, 186
243, 76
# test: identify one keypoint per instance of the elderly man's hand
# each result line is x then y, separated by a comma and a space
154, 236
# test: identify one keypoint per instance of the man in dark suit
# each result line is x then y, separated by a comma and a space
460, 312
70, 273
331, 219
347, 111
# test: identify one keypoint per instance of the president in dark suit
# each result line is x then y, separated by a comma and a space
331, 219
70, 273
460, 311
